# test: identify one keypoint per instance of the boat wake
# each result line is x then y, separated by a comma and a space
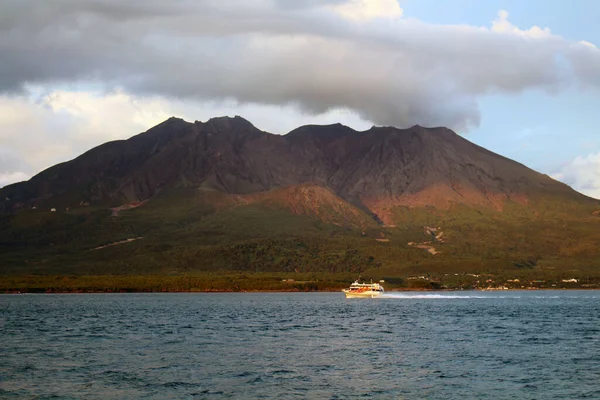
476, 295
441, 296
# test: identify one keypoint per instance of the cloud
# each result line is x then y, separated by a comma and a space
364, 10
502, 25
54, 127
583, 174
316, 56
12, 168
12, 177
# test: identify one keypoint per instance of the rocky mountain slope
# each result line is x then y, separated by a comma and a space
374, 170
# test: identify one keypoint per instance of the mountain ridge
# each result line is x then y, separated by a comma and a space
374, 169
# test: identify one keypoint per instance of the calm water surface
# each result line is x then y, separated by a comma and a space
462, 345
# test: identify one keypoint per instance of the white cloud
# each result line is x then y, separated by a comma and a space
503, 25
583, 174
364, 10
12, 177
106, 117
60, 125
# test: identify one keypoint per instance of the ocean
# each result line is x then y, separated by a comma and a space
444, 345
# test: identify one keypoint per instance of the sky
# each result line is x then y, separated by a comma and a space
521, 78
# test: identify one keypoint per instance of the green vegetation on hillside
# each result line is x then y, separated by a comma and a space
183, 242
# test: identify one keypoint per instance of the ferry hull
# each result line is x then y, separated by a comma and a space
363, 295
363, 290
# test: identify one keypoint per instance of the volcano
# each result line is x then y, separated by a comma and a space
223, 195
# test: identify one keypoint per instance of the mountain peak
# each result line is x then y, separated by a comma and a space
170, 121
230, 122
322, 133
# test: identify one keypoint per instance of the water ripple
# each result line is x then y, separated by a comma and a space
408, 345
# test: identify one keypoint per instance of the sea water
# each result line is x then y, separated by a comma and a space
455, 345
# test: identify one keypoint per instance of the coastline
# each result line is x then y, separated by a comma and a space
223, 291
253, 283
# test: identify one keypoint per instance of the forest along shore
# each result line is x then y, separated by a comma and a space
265, 282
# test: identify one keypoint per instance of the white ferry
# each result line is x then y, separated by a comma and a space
364, 290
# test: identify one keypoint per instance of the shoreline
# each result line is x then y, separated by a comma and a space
255, 283
287, 291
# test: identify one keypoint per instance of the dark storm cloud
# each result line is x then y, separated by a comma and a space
391, 71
